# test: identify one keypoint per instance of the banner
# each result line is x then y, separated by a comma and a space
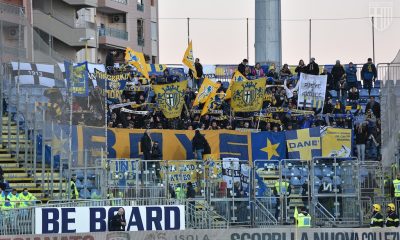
312, 91
170, 98
77, 78
97, 219
156, 69
248, 96
39, 75
278, 233
268, 145
207, 89
237, 77
137, 60
188, 59
213, 101
336, 142
114, 84
304, 143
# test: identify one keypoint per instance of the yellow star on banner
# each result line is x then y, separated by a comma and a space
271, 149
57, 145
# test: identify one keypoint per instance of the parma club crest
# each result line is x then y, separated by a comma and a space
170, 98
248, 96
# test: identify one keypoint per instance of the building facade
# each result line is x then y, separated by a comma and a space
55, 30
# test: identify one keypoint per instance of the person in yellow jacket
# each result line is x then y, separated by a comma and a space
7, 205
303, 219
377, 218
13, 196
180, 192
74, 189
27, 198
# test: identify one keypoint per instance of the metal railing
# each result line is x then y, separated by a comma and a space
112, 32
13, 9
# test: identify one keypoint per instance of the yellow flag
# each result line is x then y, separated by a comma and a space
188, 59
137, 60
237, 77
206, 89
210, 103
170, 98
248, 96
296, 213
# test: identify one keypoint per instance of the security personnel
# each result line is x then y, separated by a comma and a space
74, 189
281, 189
7, 205
392, 219
396, 186
180, 192
27, 198
14, 198
303, 219
377, 218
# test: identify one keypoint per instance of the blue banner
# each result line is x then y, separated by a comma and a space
77, 78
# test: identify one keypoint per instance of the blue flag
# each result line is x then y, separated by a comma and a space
268, 145
77, 78
304, 144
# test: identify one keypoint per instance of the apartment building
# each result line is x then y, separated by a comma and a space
55, 30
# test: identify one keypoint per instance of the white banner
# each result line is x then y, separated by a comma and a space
96, 219
312, 91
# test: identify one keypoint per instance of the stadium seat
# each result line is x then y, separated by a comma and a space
286, 172
317, 172
359, 85
375, 92
295, 181
79, 184
377, 84
327, 171
295, 172
327, 180
337, 180
317, 182
95, 194
364, 93
304, 172
84, 193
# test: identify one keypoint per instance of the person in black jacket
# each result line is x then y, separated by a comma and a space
368, 74
199, 71
110, 61
156, 154
145, 146
199, 143
374, 106
361, 140
337, 74
301, 68
117, 222
242, 67
312, 67
330, 85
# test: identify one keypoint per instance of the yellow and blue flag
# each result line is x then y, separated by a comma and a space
188, 59
137, 60
268, 146
237, 77
170, 98
77, 78
304, 144
156, 69
207, 89
248, 96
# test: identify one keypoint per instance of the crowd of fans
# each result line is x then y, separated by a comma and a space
349, 103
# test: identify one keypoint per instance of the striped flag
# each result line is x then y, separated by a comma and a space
35, 74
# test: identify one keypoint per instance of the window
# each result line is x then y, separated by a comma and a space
140, 32
140, 5
154, 31
152, 3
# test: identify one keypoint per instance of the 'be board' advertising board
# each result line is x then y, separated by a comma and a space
97, 219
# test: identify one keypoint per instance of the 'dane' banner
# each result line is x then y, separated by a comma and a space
336, 142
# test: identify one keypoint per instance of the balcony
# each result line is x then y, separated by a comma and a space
113, 6
82, 3
140, 7
113, 37
12, 13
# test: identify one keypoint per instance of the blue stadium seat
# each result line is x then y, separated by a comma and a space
317, 172
375, 92
317, 182
79, 184
327, 180
327, 171
359, 85
304, 172
295, 181
84, 193
364, 93
88, 183
377, 84
286, 172
295, 172
337, 180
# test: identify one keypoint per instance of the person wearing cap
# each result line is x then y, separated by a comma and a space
392, 219
377, 218
312, 67
27, 198
242, 66
74, 189
368, 74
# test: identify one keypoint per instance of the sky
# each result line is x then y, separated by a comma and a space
218, 30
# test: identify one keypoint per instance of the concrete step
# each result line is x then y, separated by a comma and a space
9, 176
13, 170
9, 165
22, 185
20, 179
